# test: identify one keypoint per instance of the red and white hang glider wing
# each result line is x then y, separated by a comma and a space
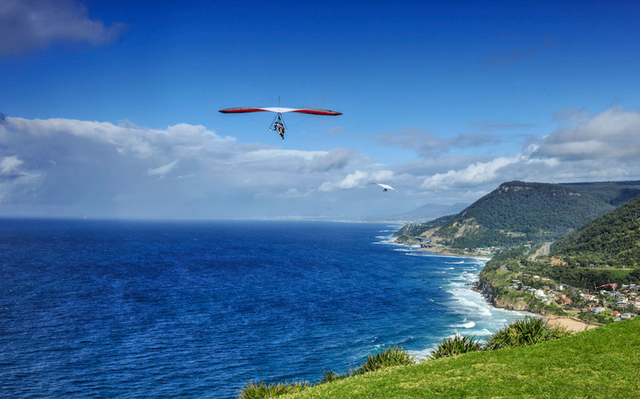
280, 110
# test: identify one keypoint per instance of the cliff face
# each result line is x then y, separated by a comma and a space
487, 290
492, 295
520, 305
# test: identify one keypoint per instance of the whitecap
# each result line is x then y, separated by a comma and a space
471, 306
422, 354
470, 324
483, 332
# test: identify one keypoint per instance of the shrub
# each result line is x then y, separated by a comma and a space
332, 376
523, 332
456, 345
262, 390
392, 356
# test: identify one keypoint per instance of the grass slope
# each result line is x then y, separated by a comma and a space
599, 363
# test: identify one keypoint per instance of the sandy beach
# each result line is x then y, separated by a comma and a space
570, 324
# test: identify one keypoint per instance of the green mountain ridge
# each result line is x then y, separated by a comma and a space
603, 253
612, 239
519, 213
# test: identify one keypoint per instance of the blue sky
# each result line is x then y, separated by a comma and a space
110, 108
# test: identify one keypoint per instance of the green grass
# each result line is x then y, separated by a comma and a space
263, 390
599, 363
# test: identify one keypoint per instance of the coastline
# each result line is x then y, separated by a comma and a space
481, 316
445, 252
485, 288
569, 323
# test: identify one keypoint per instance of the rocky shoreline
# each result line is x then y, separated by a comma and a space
490, 293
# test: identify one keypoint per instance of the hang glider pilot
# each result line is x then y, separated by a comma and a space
279, 127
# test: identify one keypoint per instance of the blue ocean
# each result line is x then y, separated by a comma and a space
199, 309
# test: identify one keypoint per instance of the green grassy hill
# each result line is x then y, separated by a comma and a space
517, 213
599, 363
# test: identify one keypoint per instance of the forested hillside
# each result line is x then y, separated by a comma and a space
517, 213
604, 253
612, 239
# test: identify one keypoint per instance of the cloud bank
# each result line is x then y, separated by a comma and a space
603, 147
65, 167
612, 134
128, 169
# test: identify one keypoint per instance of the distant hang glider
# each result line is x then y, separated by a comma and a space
278, 123
386, 187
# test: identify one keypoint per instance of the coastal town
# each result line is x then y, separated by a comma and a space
524, 283
526, 288
610, 303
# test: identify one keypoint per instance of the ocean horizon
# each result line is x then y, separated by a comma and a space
199, 309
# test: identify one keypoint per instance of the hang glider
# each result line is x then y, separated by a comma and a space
386, 187
280, 110
278, 124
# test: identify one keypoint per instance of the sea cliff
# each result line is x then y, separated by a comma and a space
491, 293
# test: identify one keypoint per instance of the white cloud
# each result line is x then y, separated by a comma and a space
604, 147
357, 179
296, 160
612, 134
473, 175
125, 138
101, 164
10, 165
162, 170
77, 166
14, 180
27, 25
352, 180
498, 170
